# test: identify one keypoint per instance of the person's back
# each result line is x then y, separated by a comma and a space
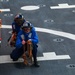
17, 23
16, 27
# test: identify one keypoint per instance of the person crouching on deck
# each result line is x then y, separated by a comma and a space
29, 35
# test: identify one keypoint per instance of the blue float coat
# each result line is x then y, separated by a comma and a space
31, 35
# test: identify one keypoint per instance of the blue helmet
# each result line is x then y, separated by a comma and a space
19, 19
27, 24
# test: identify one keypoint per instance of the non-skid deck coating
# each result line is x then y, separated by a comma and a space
55, 24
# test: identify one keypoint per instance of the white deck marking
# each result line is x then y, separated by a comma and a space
7, 59
59, 33
52, 56
5, 10
30, 7
50, 31
46, 56
62, 6
7, 26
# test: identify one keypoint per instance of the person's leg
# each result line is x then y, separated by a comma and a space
16, 53
34, 52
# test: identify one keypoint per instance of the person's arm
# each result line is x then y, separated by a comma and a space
34, 38
13, 28
18, 41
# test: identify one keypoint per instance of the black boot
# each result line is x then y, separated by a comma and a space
36, 63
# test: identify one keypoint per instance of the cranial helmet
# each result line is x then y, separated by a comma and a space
19, 19
26, 25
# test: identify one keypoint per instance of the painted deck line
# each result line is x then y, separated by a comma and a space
46, 56
5, 10
30, 7
52, 56
62, 6
50, 31
59, 33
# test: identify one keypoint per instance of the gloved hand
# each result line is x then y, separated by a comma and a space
23, 42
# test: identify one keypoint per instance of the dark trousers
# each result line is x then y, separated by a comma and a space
17, 53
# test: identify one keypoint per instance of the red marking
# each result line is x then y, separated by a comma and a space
0, 39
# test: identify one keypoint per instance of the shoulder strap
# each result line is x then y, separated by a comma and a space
22, 36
